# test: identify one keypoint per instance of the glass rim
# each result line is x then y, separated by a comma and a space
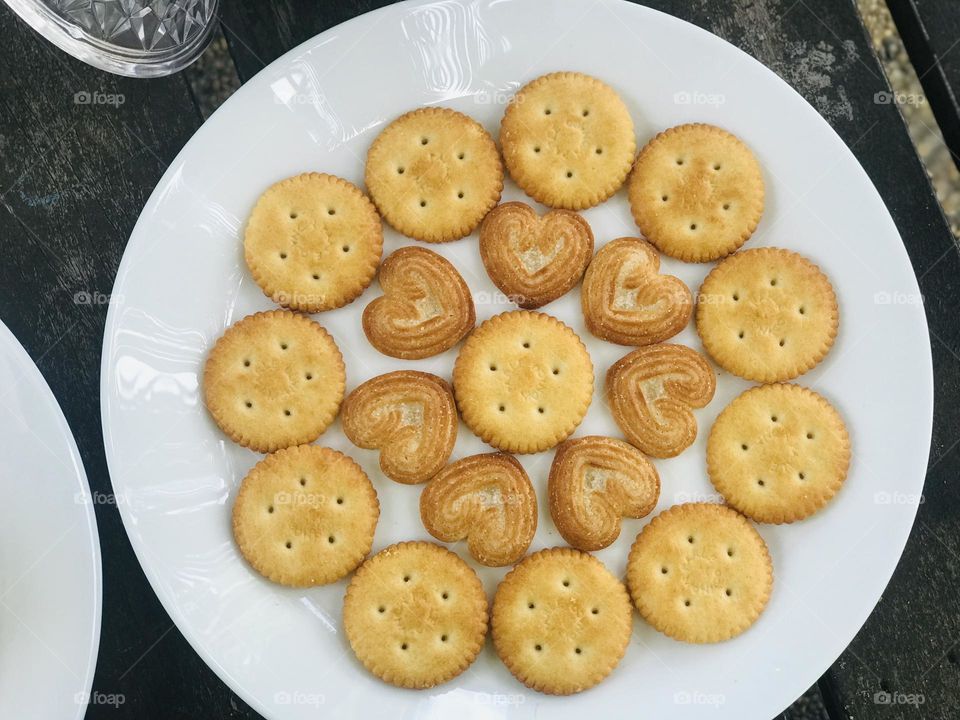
103, 55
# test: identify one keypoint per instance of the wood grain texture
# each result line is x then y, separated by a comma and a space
931, 33
73, 178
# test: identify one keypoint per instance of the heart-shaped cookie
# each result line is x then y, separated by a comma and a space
534, 260
595, 481
426, 306
652, 392
410, 417
627, 301
487, 500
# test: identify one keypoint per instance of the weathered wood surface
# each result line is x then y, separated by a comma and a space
73, 178
931, 33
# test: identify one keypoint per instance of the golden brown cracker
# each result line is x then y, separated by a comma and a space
767, 314
273, 380
561, 621
778, 453
523, 381
434, 173
568, 140
305, 516
415, 615
700, 573
696, 192
313, 242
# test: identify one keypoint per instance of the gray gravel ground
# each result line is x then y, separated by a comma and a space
213, 79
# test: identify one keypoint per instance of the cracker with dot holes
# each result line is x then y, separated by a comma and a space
313, 242
523, 381
274, 379
415, 615
426, 307
767, 314
700, 573
568, 140
489, 501
778, 453
305, 516
561, 621
434, 173
696, 192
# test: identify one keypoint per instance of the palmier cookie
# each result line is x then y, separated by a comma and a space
561, 621
415, 615
594, 481
305, 516
568, 140
652, 393
410, 417
523, 381
700, 573
696, 192
767, 314
274, 379
534, 260
313, 242
434, 173
778, 453
487, 500
627, 301
426, 307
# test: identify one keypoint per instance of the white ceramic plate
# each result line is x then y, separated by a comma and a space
183, 280
49, 552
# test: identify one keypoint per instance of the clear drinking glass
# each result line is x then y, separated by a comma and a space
138, 38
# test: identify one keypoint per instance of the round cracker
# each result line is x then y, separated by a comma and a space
523, 381
434, 173
696, 192
274, 379
561, 621
415, 615
778, 453
767, 314
313, 242
700, 573
305, 516
568, 140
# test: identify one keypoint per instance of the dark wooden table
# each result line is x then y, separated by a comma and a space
931, 33
74, 177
